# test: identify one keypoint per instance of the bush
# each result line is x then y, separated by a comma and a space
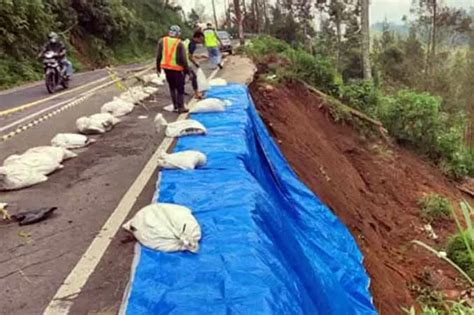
299, 64
414, 118
315, 70
264, 45
459, 254
434, 207
362, 95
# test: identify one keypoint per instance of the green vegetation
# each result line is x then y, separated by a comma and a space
415, 119
97, 33
434, 206
447, 308
461, 246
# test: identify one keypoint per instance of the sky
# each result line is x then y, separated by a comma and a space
392, 10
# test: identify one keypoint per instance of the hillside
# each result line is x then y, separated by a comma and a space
97, 32
373, 188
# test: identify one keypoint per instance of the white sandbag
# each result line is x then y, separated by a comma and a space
18, 176
134, 95
149, 77
160, 122
117, 107
217, 82
150, 90
158, 81
97, 123
169, 108
88, 127
166, 227
154, 79
71, 140
202, 83
139, 92
183, 128
208, 105
185, 160
60, 153
42, 163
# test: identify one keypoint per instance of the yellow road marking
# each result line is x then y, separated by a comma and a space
81, 97
52, 97
111, 72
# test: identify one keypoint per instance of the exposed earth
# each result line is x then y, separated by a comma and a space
372, 187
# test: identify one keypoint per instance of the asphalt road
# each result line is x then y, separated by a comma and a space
35, 259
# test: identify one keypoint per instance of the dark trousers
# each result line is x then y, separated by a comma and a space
176, 80
193, 78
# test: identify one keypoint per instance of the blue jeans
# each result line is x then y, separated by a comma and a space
214, 56
66, 63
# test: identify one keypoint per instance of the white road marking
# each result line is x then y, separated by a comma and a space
77, 279
54, 96
69, 103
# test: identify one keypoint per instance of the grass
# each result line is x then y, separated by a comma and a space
461, 246
448, 308
434, 207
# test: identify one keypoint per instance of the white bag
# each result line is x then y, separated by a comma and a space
185, 128
185, 160
202, 83
42, 163
154, 78
97, 123
134, 95
150, 90
217, 82
160, 122
60, 153
118, 107
208, 105
17, 176
166, 227
70, 140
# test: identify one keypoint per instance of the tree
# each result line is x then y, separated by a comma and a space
239, 20
366, 39
340, 13
214, 12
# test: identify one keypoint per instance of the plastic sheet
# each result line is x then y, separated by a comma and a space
269, 246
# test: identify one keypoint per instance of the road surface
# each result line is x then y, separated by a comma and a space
36, 259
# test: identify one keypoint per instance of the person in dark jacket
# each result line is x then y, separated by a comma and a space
55, 45
172, 58
191, 46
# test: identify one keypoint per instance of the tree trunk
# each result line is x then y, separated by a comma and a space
238, 17
433, 34
215, 15
265, 14
366, 40
338, 40
257, 16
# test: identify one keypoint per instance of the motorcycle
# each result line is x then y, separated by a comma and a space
55, 73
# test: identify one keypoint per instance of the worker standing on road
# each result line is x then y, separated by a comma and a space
171, 57
212, 43
191, 45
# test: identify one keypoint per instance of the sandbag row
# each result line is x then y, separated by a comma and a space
170, 227
33, 166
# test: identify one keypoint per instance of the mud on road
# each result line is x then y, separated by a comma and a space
373, 189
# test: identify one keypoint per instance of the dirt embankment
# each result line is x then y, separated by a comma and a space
373, 189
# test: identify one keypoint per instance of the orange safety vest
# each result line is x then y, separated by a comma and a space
168, 59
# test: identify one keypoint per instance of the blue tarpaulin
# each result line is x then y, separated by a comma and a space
269, 246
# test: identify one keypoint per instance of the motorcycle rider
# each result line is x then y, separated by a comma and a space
55, 45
